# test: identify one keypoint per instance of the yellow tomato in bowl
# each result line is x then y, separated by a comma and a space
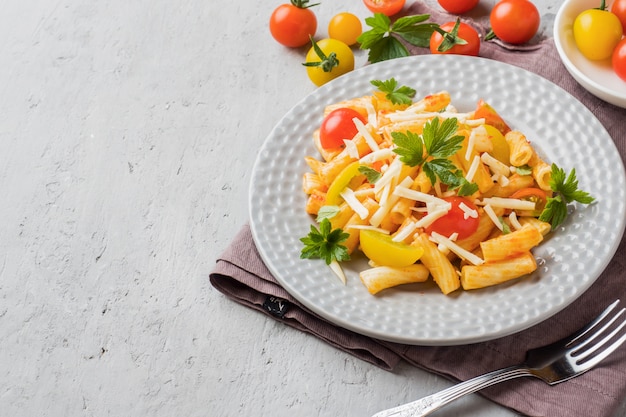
597, 32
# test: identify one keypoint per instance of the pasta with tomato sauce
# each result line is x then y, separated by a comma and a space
424, 190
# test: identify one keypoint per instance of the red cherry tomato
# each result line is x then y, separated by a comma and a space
458, 6
619, 59
514, 21
619, 9
386, 7
536, 195
464, 32
339, 125
456, 220
293, 24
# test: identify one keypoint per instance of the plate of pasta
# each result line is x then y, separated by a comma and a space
431, 148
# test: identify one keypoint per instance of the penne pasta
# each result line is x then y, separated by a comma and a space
511, 244
519, 147
383, 277
443, 272
488, 274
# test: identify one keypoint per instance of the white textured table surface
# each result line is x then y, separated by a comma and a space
128, 132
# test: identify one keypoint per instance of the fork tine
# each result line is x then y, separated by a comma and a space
582, 332
582, 356
601, 356
598, 332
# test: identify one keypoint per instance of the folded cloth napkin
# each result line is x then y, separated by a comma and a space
241, 275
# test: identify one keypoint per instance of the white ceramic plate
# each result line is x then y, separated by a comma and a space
561, 128
597, 77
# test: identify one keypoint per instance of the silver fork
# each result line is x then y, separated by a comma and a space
554, 363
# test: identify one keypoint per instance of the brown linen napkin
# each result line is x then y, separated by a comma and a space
241, 275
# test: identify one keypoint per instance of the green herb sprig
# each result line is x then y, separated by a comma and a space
383, 39
325, 243
431, 150
393, 93
566, 190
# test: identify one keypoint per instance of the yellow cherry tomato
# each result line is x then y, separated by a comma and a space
597, 32
501, 149
382, 250
328, 59
345, 27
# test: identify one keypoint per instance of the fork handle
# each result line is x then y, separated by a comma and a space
427, 405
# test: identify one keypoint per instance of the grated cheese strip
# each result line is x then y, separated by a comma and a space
493, 217
459, 251
415, 114
336, 268
470, 145
475, 122
372, 117
514, 222
468, 211
366, 134
392, 172
351, 148
500, 179
407, 231
432, 215
368, 227
384, 209
354, 203
472, 169
364, 192
415, 195
494, 165
378, 155
508, 203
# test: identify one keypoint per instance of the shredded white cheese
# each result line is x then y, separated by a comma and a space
514, 222
378, 155
366, 134
459, 251
392, 172
383, 209
468, 211
432, 216
415, 195
495, 165
470, 145
354, 203
336, 268
407, 231
472, 169
509, 203
351, 148
493, 217
368, 227
372, 117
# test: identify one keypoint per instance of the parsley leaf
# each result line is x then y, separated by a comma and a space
440, 140
325, 243
327, 212
370, 173
431, 150
383, 39
395, 94
409, 147
566, 190
524, 170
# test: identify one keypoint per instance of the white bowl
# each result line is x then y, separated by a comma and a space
597, 77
